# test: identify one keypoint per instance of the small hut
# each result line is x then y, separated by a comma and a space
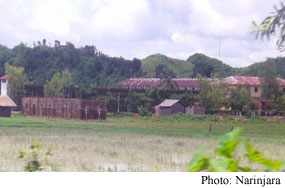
169, 106
6, 103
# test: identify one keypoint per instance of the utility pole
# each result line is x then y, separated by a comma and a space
219, 46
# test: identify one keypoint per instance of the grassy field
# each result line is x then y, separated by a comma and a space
128, 143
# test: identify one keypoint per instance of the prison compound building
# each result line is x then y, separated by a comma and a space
65, 108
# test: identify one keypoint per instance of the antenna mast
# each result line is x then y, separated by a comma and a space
219, 46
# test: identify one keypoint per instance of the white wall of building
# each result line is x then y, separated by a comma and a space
4, 84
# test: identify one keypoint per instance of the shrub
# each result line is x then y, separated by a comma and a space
226, 162
187, 117
121, 114
256, 119
144, 110
34, 160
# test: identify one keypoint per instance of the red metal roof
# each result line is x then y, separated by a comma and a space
242, 80
152, 82
247, 80
5, 77
139, 82
191, 82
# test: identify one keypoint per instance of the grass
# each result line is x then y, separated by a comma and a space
127, 143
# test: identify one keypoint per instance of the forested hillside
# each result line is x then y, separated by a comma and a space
88, 66
209, 67
202, 65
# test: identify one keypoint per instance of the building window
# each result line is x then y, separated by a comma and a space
3, 81
26, 106
256, 89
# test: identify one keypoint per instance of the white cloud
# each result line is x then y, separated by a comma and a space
137, 28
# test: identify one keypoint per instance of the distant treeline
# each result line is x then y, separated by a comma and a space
88, 66
92, 68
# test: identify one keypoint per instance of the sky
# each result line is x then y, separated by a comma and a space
138, 28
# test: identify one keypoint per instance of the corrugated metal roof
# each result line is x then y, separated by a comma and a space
282, 82
152, 82
6, 101
191, 82
247, 80
5, 77
242, 80
168, 103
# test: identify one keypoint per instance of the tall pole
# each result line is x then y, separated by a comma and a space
219, 46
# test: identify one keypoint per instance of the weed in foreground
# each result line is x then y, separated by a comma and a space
33, 159
226, 162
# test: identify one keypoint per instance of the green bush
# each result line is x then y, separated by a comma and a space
225, 161
121, 114
34, 158
256, 119
187, 117
144, 110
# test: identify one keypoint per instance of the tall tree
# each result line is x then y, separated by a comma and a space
270, 86
58, 84
240, 99
164, 72
212, 95
16, 79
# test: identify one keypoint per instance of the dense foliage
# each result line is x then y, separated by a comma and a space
87, 66
226, 161
90, 67
212, 95
271, 24
240, 100
209, 67
17, 79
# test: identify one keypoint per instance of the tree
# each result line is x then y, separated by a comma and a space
240, 99
280, 103
212, 95
168, 84
271, 24
59, 82
16, 79
270, 86
67, 83
136, 100
112, 100
164, 72
153, 93
187, 98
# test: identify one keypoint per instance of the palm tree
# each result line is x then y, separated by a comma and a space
168, 84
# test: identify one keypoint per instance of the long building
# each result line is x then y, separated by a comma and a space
64, 108
251, 83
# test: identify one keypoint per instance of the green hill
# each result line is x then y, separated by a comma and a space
277, 64
209, 67
197, 64
180, 67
